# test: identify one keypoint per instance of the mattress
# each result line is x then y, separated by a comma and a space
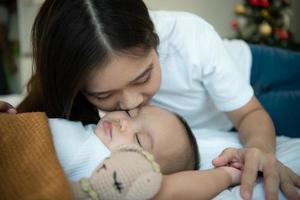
211, 143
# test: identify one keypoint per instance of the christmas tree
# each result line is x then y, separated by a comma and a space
264, 22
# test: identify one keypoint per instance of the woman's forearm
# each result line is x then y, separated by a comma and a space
257, 130
255, 126
196, 185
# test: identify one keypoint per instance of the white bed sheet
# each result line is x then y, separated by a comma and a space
212, 143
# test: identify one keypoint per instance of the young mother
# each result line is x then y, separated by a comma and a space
105, 54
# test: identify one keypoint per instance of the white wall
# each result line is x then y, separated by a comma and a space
219, 13
295, 24
216, 12
27, 10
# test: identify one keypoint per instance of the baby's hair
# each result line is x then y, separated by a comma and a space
195, 157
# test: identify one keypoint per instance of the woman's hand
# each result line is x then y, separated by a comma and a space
7, 108
253, 160
234, 173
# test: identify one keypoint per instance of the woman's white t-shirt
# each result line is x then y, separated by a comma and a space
199, 77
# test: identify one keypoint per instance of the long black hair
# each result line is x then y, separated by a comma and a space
69, 39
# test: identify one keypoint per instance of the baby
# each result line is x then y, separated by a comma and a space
163, 134
166, 136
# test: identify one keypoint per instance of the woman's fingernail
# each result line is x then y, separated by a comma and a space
246, 195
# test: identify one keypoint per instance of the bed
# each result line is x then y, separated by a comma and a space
211, 144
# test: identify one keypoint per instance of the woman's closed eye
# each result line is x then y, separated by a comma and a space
103, 97
143, 79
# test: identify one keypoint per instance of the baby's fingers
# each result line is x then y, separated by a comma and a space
226, 157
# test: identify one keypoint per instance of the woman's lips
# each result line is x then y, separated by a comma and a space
108, 128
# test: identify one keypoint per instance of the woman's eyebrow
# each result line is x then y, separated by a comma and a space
148, 68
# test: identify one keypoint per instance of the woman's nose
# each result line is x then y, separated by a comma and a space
130, 100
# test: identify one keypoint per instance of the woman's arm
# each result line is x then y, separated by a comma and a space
257, 134
198, 185
254, 125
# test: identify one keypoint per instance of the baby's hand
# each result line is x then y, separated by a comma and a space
234, 173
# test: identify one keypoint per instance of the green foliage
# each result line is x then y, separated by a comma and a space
264, 22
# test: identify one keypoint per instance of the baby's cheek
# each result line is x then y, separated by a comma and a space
118, 141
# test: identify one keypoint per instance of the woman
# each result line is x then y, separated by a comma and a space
92, 55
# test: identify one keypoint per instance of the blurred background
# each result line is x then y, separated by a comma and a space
268, 22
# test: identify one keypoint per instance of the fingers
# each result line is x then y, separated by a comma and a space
288, 180
252, 161
271, 177
237, 165
295, 177
289, 189
228, 155
249, 175
6, 107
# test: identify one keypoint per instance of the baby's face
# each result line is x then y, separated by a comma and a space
154, 129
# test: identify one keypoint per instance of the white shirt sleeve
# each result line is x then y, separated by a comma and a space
227, 87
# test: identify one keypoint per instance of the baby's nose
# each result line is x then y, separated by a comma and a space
127, 128
123, 125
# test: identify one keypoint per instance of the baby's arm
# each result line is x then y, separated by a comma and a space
197, 184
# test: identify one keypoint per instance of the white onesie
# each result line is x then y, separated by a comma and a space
78, 149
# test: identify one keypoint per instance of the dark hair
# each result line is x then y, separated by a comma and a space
72, 37
194, 157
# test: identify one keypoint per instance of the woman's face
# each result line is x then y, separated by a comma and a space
124, 83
